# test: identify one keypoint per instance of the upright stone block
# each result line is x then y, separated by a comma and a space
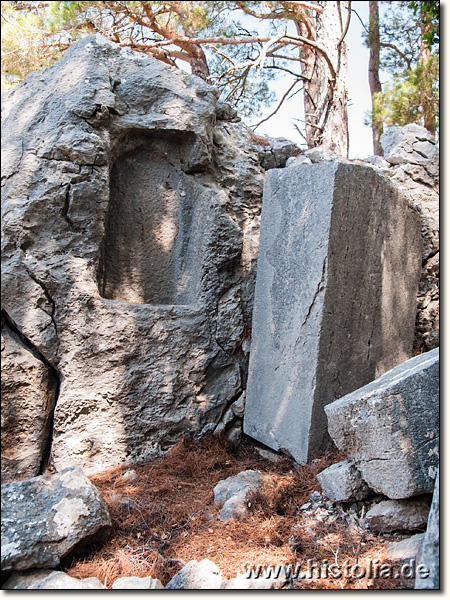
335, 300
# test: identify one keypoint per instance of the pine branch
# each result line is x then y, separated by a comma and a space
278, 107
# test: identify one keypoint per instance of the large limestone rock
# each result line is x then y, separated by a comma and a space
29, 392
335, 299
430, 547
46, 517
414, 159
390, 427
130, 244
203, 575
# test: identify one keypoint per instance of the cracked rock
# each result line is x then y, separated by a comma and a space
29, 392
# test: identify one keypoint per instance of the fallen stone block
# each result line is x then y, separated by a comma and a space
232, 493
45, 518
390, 427
340, 247
137, 583
430, 547
396, 515
203, 575
342, 482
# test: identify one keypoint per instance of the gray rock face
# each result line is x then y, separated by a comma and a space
414, 158
340, 247
203, 575
29, 392
232, 493
430, 548
129, 249
342, 482
394, 515
45, 518
390, 427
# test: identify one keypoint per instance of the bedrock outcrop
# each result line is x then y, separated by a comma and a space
130, 236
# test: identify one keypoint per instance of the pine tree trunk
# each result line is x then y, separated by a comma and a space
424, 57
374, 77
325, 99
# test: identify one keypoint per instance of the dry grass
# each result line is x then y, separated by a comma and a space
164, 510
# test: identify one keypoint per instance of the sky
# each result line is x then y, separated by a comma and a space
360, 135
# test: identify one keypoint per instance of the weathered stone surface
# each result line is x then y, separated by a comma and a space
129, 249
45, 518
39, 579
395, 515
29, 392
415, 170
137, 583
342, 482
406, 549
390, 427
340, 248
203, 575
430, 547
232, 493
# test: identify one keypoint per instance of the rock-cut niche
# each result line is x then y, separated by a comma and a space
151, 252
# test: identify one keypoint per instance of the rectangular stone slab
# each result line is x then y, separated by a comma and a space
335, 301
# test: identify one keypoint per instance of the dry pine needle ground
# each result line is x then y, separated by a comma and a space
164, 510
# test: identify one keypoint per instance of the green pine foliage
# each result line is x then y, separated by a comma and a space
412, 97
